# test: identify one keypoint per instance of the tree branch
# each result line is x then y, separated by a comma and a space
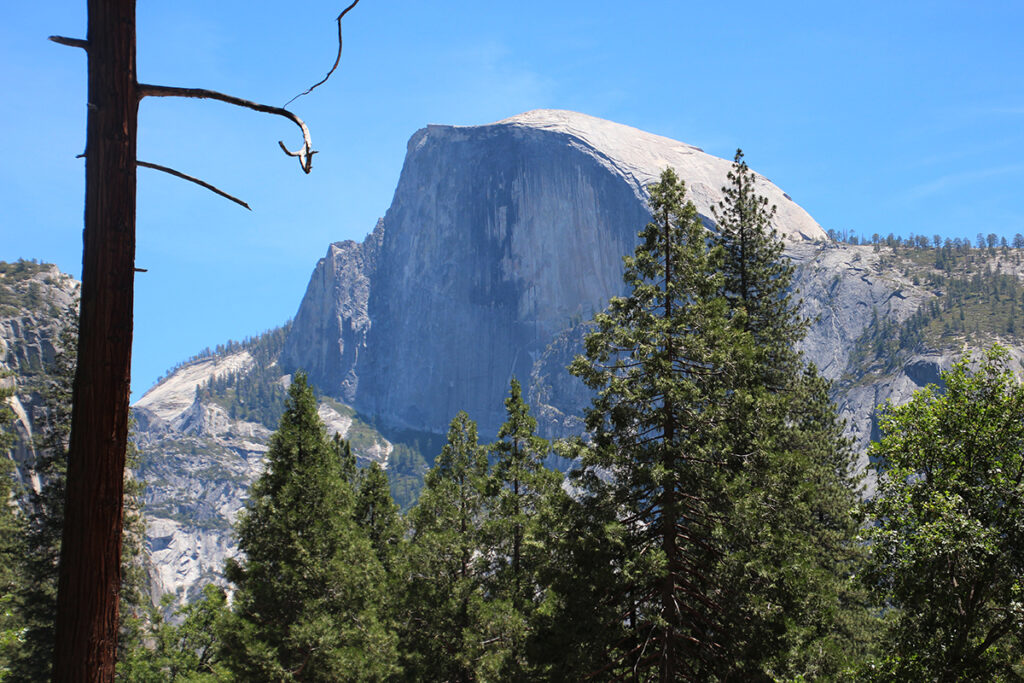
337, 60
197, 181
305, 154
71, 42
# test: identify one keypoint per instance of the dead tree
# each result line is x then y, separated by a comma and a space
90, 564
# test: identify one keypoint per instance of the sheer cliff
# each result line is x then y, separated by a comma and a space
500, 239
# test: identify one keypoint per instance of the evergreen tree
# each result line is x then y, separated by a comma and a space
187, 650
787, 535
441, 572
376, 513
756, 276
11, 548
660, 363
519, 487
306, 604
45, 518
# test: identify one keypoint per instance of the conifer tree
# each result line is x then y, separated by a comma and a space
788, 533
45, 518
378, 516
519, 487
757, 277
441, 572
11, 549
308, 584
660, 362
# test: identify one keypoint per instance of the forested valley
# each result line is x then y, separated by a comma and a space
713, 526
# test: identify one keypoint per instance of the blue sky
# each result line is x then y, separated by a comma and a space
876, 117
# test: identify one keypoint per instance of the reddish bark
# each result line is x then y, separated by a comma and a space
90, 570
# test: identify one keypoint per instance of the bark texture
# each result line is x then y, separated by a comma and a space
90, 571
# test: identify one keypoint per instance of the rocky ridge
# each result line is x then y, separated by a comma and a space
198, 462
501, 242
37, 303
498, 239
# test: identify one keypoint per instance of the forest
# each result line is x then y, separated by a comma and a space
713, 527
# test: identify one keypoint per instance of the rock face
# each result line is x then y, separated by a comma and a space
198, 463
37, 303
502, 241
499, 239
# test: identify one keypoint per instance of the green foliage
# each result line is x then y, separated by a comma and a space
441, 577
948, 527
717, 480
378, 515
187, 651
519, 488
308, 588
11, 546
255, 393
658, 361
786, 537
406, 470
45, 517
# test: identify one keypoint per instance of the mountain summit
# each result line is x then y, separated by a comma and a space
500, 240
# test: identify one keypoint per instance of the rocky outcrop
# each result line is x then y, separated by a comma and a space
37, 303
499, 239
328, 335
198, 463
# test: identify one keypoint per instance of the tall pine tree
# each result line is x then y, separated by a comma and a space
519, 488
660, 361
441, 569
787, 535
306, 604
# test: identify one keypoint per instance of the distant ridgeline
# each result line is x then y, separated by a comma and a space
254, 394
978, 299
22, 292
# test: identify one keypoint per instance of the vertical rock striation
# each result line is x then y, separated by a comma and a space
500, 238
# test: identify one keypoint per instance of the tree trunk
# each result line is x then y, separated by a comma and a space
90, 566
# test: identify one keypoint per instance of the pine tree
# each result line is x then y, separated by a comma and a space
45, 519
787, 532
308, 585
660, 362
519, 487
440, 570
376, 513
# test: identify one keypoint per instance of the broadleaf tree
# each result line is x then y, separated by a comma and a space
947, 532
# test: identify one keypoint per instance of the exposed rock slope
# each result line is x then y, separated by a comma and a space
37, 303
199, 460
499, 237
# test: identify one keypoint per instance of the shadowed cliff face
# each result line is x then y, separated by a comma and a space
496, 241
499, 239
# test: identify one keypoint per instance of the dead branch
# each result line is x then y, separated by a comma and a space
337, 60
71, 42
197, 181
305, 154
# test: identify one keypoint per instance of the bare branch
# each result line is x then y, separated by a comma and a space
305, 154
71, 42
197, 181
337, 60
